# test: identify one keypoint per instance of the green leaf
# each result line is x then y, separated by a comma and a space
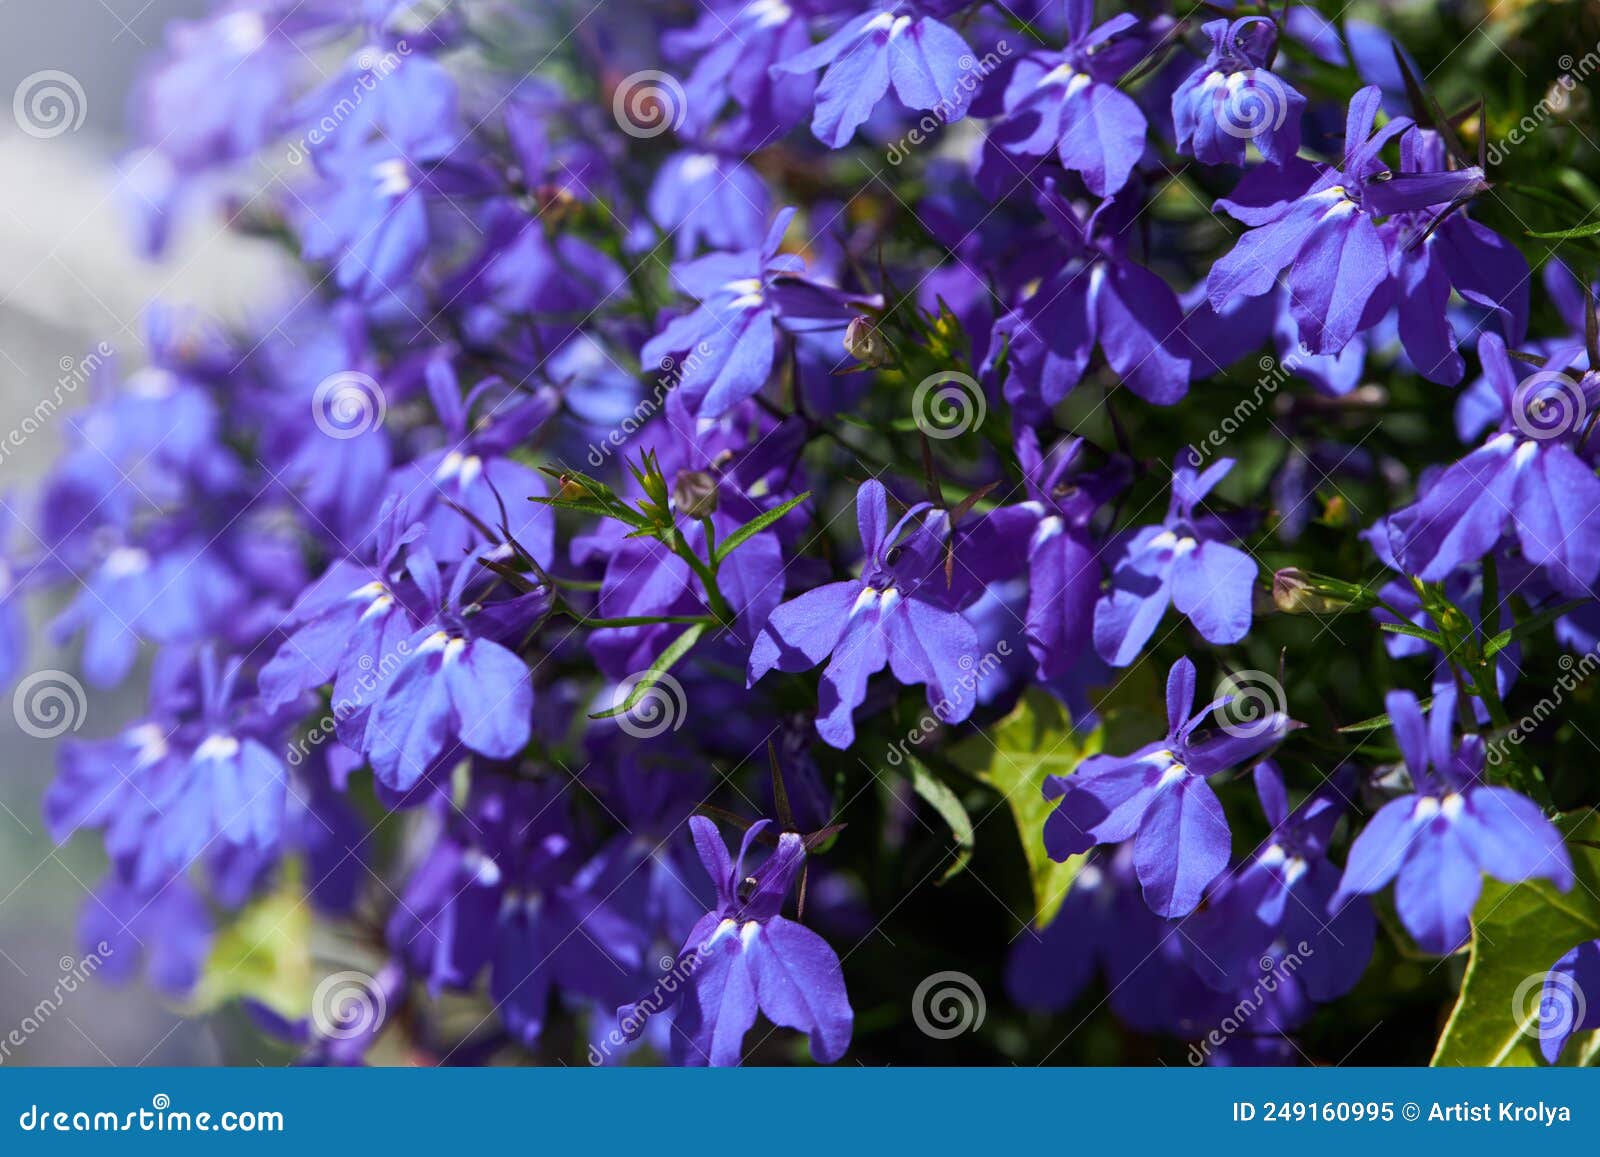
1036, 740
264, 953
1414, 631
940, 796
1518, 932
676, 650
754, 527
1379, 722
1588, 230
1531, 625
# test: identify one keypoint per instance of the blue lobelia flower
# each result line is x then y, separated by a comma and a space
345, 625
1105, 926
1566, 1002
1278, 899
170, 929
1095, 297
896, 42
1068, 102
897, 613
1437, 250
456, 687
743, 957
1184, 561
1063, 567
185, 783
473, 483
708, 198
1159, 798
1440, 839
505, 887
725, 348
1325, 228
736, 47
1234, 98
1529, 475
223, 90
370, 217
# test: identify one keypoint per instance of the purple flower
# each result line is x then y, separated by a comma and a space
1528, 475
738, 48
1279, 899
1325, 228
1096, 297
183, 784
1454, 253
743, 957
453, 685
1185, 562
1159, 798
924, 59
726, 347
1068, 102
506, 888
371, 217
1440, 839
706, 198
1567, 1002
897, 613
1234, 98
1063, 567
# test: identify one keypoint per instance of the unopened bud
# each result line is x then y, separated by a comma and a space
694, 494
1294, 592
864, 343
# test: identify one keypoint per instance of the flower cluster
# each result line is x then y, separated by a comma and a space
641, 455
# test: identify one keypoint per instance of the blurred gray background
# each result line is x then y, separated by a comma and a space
68, 280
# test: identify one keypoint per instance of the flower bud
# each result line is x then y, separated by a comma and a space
694, 494
863, 342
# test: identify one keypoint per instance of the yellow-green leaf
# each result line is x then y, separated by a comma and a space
1518, 932
265, 953
1014, 757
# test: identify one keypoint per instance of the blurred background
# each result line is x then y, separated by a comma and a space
70, 279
